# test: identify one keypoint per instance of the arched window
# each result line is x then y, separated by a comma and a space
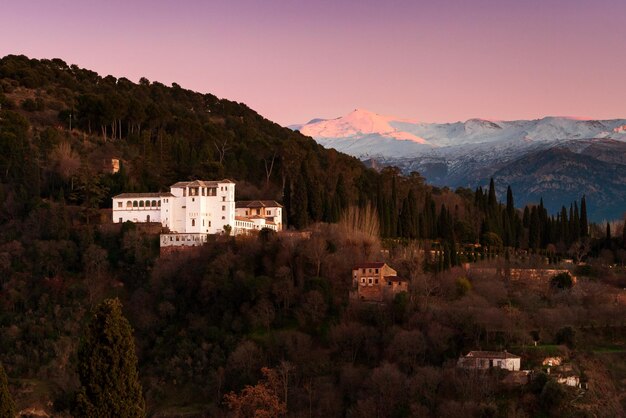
193, 222
141, 203
129, 204
135, 203
147, 203
154, 204
159, 203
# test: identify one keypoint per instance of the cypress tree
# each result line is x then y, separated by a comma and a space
287, 202
510, 207
300, 205
393, 209
526, 217
575, 224
7, 406
493, 201
608, 232
533, 229
107, 367
584, 227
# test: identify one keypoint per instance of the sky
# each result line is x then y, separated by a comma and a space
294, 60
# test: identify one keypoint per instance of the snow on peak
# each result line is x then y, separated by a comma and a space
358, 123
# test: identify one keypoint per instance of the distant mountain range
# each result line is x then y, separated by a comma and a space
555, 158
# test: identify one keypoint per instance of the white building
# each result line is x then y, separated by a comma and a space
190, 207
258, 214
483, 360
193, 209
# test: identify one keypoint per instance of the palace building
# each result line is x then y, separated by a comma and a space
191, 210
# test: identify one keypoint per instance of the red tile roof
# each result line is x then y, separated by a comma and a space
368, 266
257, 204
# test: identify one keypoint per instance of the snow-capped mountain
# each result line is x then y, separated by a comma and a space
468, 153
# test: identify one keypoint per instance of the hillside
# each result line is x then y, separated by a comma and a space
270, 314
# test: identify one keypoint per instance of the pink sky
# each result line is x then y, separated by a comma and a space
293, 60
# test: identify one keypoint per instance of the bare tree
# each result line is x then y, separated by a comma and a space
269, 168
222, 146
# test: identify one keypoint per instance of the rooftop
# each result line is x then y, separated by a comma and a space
201, 183
142, 195
369, 265
491, 354
258, 204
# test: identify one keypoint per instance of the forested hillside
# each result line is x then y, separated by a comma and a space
272, 311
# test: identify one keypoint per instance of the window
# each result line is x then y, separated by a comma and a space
154, 203
223, 208
209, 223
141, 203
119, 204
193, 222
258, 211
269, 212
203, 222
376, 281
369, 280
193, 199
388, 283
363, 271
376, 271
362, 279
135, 203
120, 220
223, 198
223, 217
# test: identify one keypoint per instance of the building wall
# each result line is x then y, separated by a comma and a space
512, 364
198, 210
136, 213
182, 240
271, 213
369, 284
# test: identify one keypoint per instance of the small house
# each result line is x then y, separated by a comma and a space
483, 360
376, 282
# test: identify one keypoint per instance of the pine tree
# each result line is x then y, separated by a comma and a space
7, 406
108, 367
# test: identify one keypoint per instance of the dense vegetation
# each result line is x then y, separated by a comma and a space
266, 321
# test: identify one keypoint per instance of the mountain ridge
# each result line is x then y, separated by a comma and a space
467, 154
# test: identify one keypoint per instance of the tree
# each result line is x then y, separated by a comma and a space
562, 281
259, 401
108, 367
584, 227
7, 406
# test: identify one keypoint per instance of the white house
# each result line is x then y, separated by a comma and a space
483, 360
262, 213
